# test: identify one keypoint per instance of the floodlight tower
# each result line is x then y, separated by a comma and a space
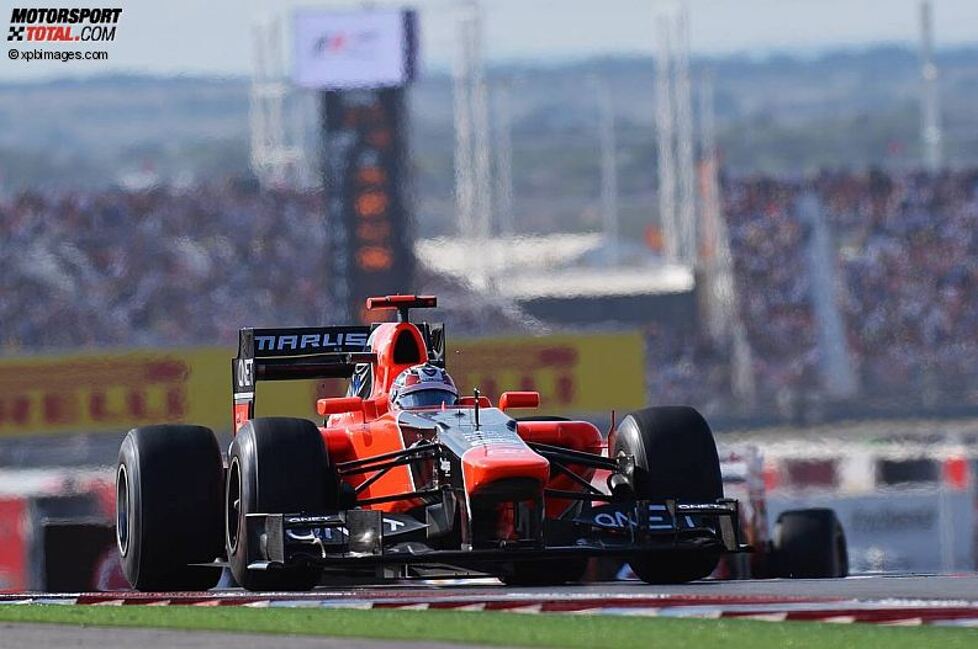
504, 157
716, 262
685, 166
609, 168
473, 152
276, 159
674, 132
665, 140
481, 157
930, 102
462, 103
724, 322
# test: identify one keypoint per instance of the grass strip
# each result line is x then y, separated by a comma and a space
497, 628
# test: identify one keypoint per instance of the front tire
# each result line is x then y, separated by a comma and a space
675, 458
810, 543
276, 465
168, 507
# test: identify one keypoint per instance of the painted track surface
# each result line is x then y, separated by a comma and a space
916, 587
912, 599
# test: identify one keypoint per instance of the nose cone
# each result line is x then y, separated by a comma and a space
485, 465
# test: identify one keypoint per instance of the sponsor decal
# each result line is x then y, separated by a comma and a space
890, 519
330, 529
613, 517
324, 341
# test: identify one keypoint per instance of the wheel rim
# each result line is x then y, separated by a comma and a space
233, 506
123, 515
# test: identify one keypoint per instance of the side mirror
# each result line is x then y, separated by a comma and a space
373, 408
338, 405
510, 400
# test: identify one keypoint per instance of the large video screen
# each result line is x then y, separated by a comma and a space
337, 50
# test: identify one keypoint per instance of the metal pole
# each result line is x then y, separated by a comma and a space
725, 323
462, 97
277, 158
686, 216
930, 101
715, 263
609, 169
664, 123
504, 159
480, 123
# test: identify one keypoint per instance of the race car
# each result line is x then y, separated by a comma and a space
407, 475
806, 543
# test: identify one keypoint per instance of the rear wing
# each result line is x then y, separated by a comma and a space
296, 353
285, 354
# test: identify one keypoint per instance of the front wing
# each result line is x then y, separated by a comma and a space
366, 538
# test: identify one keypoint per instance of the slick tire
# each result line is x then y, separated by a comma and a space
675, 458
810, 544
276, 465
168, 507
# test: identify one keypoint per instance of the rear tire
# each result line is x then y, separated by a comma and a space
168, 507
675, 458
810, 544
276, 465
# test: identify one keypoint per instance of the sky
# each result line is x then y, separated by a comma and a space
213, 37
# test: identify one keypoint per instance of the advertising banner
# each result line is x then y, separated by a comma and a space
574, 374
113, 392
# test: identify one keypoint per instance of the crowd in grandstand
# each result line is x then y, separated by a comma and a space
907, 248
168, 267
767, 240
909, 253
156, 267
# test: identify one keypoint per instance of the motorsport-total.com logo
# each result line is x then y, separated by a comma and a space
52, 25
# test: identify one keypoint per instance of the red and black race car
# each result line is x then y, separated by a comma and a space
406, 475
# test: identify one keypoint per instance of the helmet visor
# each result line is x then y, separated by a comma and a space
426, 399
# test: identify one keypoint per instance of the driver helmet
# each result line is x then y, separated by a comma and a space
423, 386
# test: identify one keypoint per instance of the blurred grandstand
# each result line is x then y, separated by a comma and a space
163, 268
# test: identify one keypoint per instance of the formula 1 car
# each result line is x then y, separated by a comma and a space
807, 543
406, 476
